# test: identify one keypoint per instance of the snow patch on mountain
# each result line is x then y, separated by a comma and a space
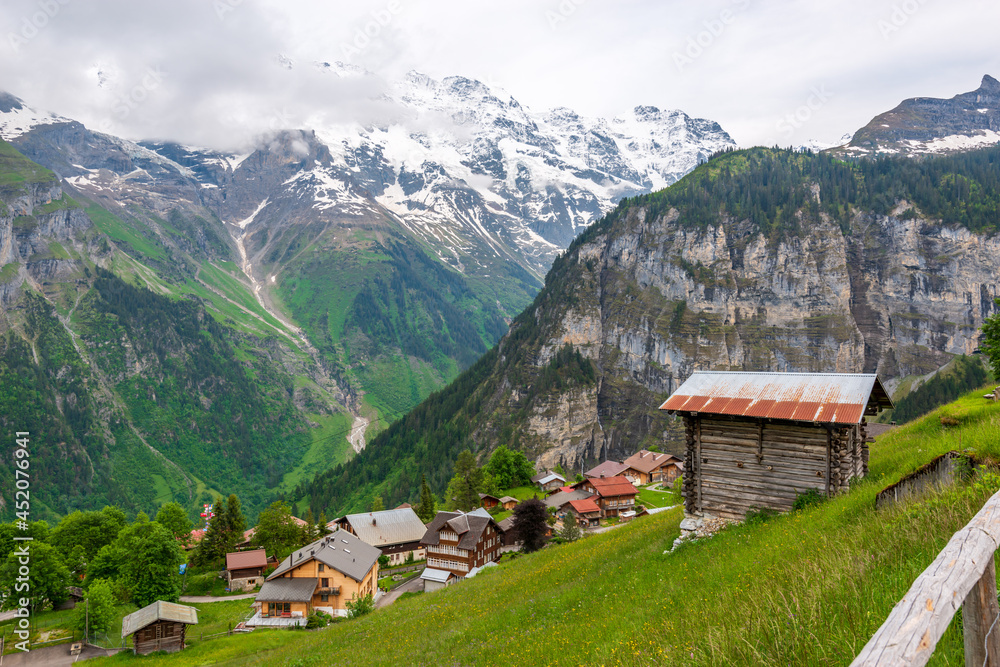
17, 118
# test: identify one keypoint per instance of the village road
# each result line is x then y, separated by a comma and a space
52, 656
413, 585
221, 598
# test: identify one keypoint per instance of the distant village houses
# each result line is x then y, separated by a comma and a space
548, 480
396, 533
645, 467
612, 494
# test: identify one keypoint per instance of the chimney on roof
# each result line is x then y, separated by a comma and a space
373, 521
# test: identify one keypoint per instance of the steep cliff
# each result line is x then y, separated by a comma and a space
758, 260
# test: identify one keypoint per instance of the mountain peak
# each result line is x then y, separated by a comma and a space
989, 84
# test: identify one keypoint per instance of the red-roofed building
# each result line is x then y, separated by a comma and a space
194, 538
586, 511
614, 494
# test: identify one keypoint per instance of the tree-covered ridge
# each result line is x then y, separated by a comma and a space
781, 191
221, 411
161, 388
963, 375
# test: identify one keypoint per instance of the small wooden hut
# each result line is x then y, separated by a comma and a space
757, 440
159, 626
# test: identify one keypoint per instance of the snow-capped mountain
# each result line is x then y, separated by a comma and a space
933, 126
466, 167
336, 226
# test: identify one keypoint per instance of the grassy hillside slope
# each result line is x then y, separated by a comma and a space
809, 587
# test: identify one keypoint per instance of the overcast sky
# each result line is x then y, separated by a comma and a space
207, 72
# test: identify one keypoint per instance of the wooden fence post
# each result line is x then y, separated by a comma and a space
979, 612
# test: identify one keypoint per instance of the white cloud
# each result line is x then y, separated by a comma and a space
207, 71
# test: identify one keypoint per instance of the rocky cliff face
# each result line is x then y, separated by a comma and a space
42, 236
650, 299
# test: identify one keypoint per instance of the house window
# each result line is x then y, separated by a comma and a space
322, 568
324, 583
324, 597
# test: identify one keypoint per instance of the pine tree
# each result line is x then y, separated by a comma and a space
235, 523
310, 527
427, 508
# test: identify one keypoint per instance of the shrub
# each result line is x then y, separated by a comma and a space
570, 531
316, 621
677, 490
359, 606
807, 499
758, 515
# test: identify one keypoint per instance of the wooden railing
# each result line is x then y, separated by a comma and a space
963, 575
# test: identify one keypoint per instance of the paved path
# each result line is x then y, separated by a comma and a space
604, 529
212, 598
52, 656
411, 586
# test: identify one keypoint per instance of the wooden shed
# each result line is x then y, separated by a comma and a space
757, 440
159, 626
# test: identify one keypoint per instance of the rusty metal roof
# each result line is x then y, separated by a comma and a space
833, 398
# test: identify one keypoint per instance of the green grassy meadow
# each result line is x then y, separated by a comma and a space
806, 588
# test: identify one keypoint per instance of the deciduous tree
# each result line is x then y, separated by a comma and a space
277, 531
96, 614
47, 576
173, 517
531, 524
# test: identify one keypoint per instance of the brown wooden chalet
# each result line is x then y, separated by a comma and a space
586, 512
757, 440
607, 469
457, 542
245, 569
612, 494
487, 501
159, 627
645, 467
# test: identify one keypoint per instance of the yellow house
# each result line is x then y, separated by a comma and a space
322, 576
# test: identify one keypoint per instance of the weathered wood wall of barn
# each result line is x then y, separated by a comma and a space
735, 464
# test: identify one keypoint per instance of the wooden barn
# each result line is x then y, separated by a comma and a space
757, 440
159, 627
